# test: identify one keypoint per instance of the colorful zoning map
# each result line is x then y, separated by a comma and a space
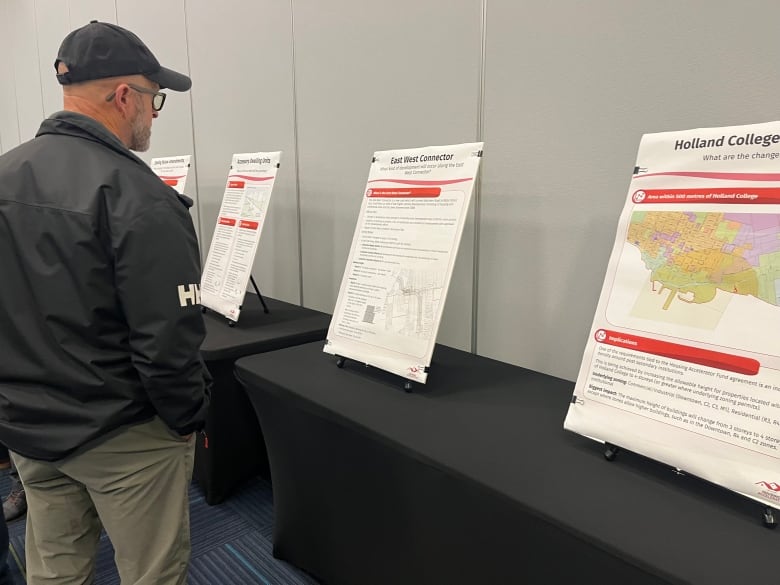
693, 255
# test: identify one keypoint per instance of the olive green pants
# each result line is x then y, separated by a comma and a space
135, 485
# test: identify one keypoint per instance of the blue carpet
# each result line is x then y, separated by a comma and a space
231, 542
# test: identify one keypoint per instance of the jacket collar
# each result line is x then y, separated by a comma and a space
79, 125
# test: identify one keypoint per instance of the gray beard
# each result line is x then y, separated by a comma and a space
141, 136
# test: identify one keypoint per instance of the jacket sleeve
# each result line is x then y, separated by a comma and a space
157, 270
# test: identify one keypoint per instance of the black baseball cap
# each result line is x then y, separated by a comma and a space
100, 49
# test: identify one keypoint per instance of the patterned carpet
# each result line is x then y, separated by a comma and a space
231, 542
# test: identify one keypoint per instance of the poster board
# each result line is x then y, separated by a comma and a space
173, 171
682, 363
240, 222
400, 263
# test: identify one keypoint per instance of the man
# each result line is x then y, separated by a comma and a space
101, 381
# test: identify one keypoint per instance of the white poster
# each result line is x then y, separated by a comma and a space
237, 233
173, 171
683, 359
400, 264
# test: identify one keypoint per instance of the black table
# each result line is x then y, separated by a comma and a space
472, 480
232, 448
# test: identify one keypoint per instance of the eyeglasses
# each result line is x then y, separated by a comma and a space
158, 97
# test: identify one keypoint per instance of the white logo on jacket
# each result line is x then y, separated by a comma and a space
191, 293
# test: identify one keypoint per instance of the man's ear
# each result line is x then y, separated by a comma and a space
122, 98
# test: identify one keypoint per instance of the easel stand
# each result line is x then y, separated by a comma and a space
232, 323
259, 296
408, 385
769, 516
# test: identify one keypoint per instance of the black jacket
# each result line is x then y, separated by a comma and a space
100, 326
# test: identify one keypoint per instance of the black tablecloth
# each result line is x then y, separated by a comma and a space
472, 479
232, 448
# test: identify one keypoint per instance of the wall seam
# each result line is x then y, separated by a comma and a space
38, 54
16, 84
3, 10
478, 183
192, 129
296, 156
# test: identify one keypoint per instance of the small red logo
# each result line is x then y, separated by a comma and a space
601, 335
769, 485
639, 196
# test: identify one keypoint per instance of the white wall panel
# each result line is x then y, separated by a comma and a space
9, 122
52, 23
80, 12
26, 70
242, 98
373, 77
570, 88
162, 27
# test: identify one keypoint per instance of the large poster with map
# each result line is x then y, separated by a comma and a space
683, 359
239, 226
399, 267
